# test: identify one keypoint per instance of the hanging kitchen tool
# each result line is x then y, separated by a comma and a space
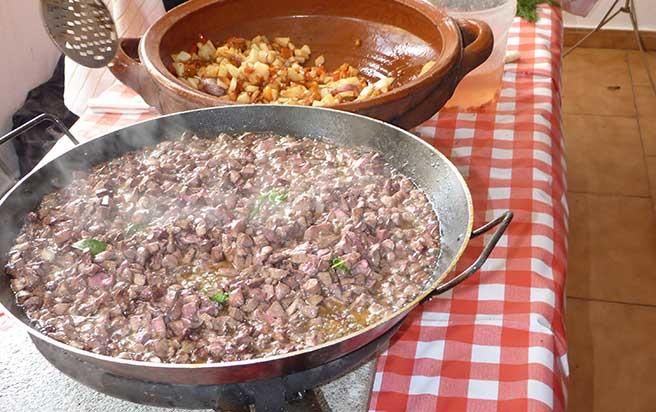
82, 29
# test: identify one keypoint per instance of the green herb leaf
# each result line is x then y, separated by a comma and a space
275, 196
133, 228
339, 264
94, 246
220, 297
527, 9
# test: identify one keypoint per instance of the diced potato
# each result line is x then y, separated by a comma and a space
252, 56
234, 72
211, 71
183, 56
179, 68
261, 70
256, 71
267, 93
206, 51
283, 41
294, 92
194, 82
328, 100
294, 75
243, 98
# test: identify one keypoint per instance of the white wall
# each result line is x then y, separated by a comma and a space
645, 10
28, 59
29, 56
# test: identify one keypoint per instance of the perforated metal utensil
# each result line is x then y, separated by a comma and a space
82, 29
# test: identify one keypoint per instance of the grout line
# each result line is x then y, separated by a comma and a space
628, 116
579, 192
617, 302
650, 184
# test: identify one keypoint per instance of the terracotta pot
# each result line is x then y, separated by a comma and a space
394, 37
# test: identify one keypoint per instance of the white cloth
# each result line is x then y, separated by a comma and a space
113, 100
132, 18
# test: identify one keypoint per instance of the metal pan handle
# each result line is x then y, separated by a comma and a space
502, 221
43, 117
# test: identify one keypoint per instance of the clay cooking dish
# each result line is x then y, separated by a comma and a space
391, 37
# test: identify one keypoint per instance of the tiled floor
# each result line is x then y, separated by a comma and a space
610, 133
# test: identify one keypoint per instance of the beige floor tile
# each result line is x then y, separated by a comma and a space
648, 134
611, 356
612, 248
638, 69
597, 81
645, 101
651, 169
604, 153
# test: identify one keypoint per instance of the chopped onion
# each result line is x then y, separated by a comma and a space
47, 254
183, 56
426, 67
383, 83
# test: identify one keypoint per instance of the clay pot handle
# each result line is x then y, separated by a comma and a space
477, 40
127, 67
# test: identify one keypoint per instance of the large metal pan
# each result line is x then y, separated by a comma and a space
431, 171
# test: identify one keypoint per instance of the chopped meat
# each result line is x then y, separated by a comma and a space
158, 326
282, 291
236, 298
325, 279
314, 300
62, 236
222, 249
311, 286
276, 313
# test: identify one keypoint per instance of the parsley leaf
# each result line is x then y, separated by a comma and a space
220, 297
339, 264
527, 9
275, 196
93, 246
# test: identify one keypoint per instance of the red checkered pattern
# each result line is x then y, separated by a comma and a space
496, 342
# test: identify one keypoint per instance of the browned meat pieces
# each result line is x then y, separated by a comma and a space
210, 250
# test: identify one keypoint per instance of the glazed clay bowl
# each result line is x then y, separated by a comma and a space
389, 37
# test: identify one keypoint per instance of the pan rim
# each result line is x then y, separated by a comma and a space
399, 314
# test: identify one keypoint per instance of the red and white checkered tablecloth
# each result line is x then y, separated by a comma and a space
497, 341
